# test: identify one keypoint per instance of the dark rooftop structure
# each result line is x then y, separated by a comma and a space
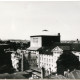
43, 40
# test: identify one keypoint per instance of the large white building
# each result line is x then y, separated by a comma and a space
48, 61
48, 57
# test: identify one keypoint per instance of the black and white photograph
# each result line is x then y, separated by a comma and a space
39, 40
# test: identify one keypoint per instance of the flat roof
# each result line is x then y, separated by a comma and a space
42, 35
33, 48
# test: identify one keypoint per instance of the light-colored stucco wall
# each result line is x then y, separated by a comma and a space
49, 61
36, 44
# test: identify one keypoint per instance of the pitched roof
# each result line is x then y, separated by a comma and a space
49, 49
46, 50
75, 47
74, 74
65, 47
56, 77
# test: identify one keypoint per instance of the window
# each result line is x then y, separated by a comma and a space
40, 58
52, 60
35, 40
49, 60
44, 59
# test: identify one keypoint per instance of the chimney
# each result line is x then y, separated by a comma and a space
77, 41
58, 34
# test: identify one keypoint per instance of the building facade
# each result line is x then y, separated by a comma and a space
49, 61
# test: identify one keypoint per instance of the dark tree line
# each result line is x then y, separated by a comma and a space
67, 61
19, 45
15, 45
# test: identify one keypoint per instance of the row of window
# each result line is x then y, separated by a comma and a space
48, 56
46, 65
48, 60
48, 70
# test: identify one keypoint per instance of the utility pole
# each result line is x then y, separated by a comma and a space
22, 54
22, 63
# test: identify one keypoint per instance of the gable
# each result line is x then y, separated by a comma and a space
57, 49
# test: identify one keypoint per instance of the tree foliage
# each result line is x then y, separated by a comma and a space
67, 61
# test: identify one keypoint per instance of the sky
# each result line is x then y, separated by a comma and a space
22, 19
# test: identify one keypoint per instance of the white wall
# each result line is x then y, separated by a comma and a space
36, 44
49, 61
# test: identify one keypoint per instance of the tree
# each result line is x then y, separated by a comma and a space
66, 61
